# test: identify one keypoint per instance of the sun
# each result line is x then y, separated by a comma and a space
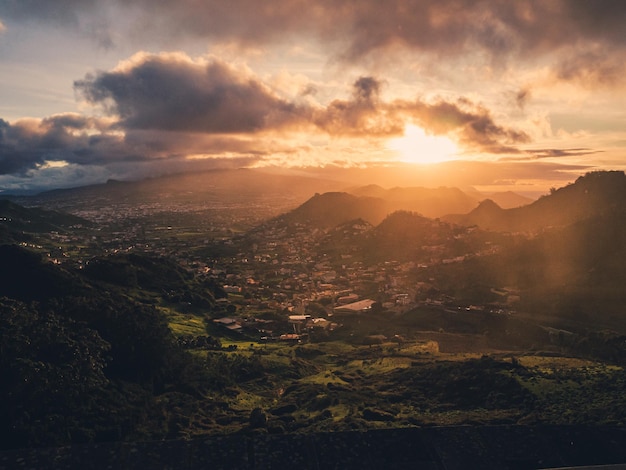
415, 146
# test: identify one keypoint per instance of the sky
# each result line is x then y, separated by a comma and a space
528, 94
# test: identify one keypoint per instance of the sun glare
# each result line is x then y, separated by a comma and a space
415, 146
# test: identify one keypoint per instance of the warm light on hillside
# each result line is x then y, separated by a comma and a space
415, 146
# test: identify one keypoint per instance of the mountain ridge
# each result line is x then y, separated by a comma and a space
593, 194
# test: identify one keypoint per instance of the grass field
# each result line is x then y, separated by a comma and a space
435, 378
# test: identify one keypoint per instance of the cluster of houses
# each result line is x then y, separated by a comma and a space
286, 270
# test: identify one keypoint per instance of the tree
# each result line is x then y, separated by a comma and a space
50, 367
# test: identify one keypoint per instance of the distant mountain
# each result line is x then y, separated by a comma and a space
595, 194
331, 209
509, 199
487, 215
438, 202
504, 199
275, 193
265, 194
373, 203
430, 202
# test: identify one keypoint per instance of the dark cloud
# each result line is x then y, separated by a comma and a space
448, 26
540, 154
367, 89
27, 144
473, 125
522, 97
168, 106
87, 17
61, 12
537, 154
171, 92
524, 29
362, 115
367, 115
592, 69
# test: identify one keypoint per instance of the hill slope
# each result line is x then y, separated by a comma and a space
595, 194
331, 209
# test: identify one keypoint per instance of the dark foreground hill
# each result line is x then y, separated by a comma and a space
19, 224
434, 448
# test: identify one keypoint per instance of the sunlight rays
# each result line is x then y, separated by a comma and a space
415, 146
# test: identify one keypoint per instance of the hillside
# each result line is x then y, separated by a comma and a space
569, 274
373, 203
404, 236
331, 209
35, 220
471, 326
596, 193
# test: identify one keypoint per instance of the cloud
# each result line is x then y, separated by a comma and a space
168, 106
471, 124
497, 29
61, 12
89, 151
538, 154
593, 68
522, 97
367, 115
165, 108
446, 26
87, 17
174, 93
364, 115
29, 143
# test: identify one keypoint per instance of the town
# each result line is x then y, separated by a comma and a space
306, 278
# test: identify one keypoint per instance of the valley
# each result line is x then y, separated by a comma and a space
344, 312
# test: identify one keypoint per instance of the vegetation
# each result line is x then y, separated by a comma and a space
99, 342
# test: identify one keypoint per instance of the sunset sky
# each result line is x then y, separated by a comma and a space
526, 94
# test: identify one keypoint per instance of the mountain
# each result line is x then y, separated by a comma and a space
504, 199
267, 194
594, 194
404, 235
245, 194
373, 203
430, 202
438, 202
508, 199
331, 209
